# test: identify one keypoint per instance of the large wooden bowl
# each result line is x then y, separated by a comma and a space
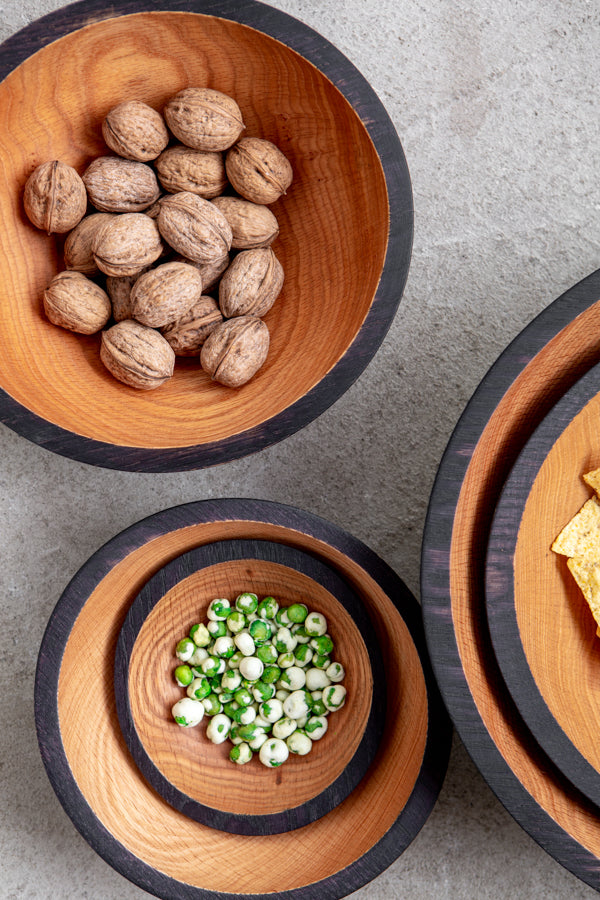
125, 820
541, 364
193, 774
345, 225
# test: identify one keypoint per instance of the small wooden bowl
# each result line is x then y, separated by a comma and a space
196, 776
345, 225
126, 821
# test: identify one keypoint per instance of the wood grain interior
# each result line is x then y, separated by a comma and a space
565, 357
333, 222
558, 631
137, 817
185, 757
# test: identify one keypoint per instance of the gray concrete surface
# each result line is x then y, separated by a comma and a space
496, 106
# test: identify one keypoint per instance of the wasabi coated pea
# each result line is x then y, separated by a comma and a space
243, 696
218, 609
212, 705
285, 640
218, 728
335, 672
200, 634
231, 680
316, 727
292, 678
267, 654
199, 654
282, 617
246, 602
210, 666
299, 743
297, 704
241, 754
217, 628
260, 631
251, 668
283, 727
258, 740
334, 697
243, 641
224, 647
267, 608
297, 612
262, 691
322, 645
199, 688
244, 715
285, 660
321, 662
315, 624
271, 673
183, 676
318, 708
303, 654
185, 649
271, 710
273, 753
316, 679
236, 621
234, 661
188, 712
299, 632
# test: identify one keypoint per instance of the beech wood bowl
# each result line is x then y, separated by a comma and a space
195, 775
127, 822
345, 225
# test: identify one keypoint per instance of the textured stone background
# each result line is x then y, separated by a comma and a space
496, 106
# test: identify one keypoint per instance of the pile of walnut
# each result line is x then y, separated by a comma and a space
160, 252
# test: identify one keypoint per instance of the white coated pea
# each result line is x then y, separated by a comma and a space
251, 668
218, 609
315, 624
335, 672
243, 641
231, 680
317, 679
271, 710
188, 712
334, 697
292, 679
273, 753
284, 727
299, 743
199, 654
296, 706
282, 694
316, 727
218, 728
224, 646
256, 742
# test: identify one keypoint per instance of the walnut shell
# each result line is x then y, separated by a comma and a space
126, 244
116, 185
54, 197
235, 350
193, 227
74, 302
210, 271
201, 172
204, 119
78, 245
252, 224
251, 284
258, 170
118, 288
135, 130
165, 293
137, 355
187, 334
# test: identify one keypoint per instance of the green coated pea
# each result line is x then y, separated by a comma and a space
297, 612
199, 688
183, 676
211, 666
321, 662
322, 644
236, 621
218, 609
303, 654
246, 602
185, 649
200, 635
241, 754
243, 696
299, 632
212, 705
217, 628
262, 691
267, 654
271, 674
260, 631
282, 617
267, 608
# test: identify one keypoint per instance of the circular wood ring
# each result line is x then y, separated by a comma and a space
70, 405
189, 772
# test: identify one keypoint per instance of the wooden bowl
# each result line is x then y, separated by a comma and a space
543, 362
541, 627
196, 776
345, 225
125, 820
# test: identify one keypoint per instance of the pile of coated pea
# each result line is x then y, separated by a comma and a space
263, 673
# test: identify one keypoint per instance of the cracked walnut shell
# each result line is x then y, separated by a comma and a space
204, 119
76, 303
54, 197
258, 170
235, 350
137, 355
135, 130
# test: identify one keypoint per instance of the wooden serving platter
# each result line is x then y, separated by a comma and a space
537, 368
541, 628
197, 777
101, 788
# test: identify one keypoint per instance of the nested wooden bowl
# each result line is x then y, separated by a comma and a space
345, 225
196, 776
126, 821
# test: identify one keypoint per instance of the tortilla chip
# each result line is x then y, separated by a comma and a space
581, 536
593, 479
586, 573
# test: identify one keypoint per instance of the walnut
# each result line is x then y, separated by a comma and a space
187, 334
258, 170
118, 288
135, 130
78, 245
193, 227
204, 119
165, 293
252, 224
235, 350
126, 244
251, 284
201, 172
73, 301
54, 197
137, 355
210, 271
120, 185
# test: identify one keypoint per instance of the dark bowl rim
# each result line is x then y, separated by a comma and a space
439, 732
374, 117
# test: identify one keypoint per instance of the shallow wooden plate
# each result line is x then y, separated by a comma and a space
542, 630
125, 820
351, 191
195, 776
544, 361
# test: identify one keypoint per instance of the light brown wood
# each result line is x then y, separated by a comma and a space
166, 839
333, 222
185, 757
556, 361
